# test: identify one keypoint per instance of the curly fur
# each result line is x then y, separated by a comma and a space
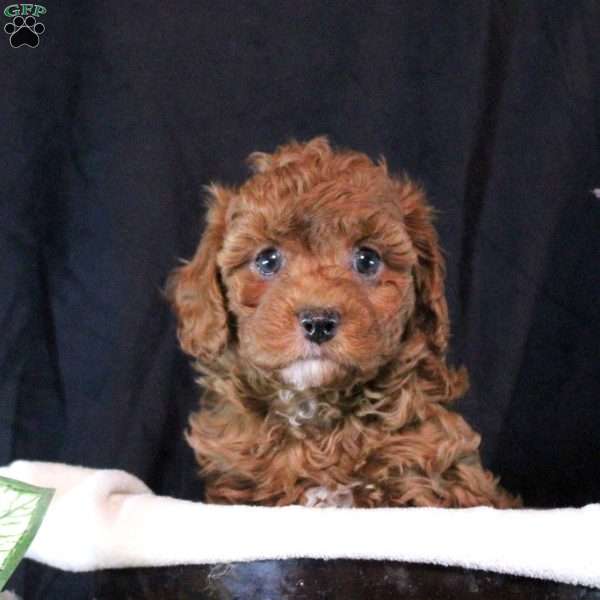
372, 418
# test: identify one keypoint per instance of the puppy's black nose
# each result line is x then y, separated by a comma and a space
319, 326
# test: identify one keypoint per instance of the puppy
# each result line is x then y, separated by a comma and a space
314, 310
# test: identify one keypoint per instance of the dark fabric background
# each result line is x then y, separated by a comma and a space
112, 125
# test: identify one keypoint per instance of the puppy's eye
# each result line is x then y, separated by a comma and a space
268, 261
366, 261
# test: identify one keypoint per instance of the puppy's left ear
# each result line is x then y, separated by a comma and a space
194, 289
431, 311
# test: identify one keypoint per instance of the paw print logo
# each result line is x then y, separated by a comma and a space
24, 31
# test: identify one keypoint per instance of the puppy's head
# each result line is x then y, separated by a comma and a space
318, 270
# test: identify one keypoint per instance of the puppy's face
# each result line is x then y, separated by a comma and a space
320, 284
321, 262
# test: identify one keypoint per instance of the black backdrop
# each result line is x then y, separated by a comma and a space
114, 122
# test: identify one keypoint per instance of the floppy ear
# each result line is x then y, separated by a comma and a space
431, 312
195, 288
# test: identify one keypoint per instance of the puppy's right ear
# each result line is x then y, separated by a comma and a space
194, 289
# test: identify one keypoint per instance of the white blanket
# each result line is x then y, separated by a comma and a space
110, 519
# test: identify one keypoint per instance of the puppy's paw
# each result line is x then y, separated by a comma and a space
322, 497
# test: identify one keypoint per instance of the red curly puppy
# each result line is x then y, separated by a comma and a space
315, 311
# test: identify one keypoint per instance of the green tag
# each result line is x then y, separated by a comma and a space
22, 508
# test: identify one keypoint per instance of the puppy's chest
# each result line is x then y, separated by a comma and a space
304, 412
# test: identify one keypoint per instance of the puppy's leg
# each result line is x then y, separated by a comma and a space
322, 496
437, 463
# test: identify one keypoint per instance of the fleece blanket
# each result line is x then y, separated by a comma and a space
102, 519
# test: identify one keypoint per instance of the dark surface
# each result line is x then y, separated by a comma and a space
327, 580
114, 122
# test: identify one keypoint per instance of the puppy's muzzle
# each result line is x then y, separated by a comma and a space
319, 326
